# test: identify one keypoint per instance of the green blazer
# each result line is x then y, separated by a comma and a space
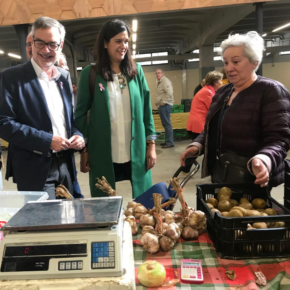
98, 131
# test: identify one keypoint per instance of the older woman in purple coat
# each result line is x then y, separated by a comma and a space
255, 115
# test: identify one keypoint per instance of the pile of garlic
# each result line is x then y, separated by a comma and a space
159, 230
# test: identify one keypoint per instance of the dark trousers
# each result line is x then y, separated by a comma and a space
59, 173
123, 171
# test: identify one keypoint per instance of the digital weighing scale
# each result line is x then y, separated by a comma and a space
64, 239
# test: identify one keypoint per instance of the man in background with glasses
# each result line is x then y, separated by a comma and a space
36, 115
28, 46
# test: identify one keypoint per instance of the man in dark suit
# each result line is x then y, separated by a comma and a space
36, 115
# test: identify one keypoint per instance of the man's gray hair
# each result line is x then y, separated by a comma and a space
47, 22
252, 42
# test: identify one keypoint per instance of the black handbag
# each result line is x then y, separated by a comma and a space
230, 167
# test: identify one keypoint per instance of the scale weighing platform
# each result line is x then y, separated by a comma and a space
64, 239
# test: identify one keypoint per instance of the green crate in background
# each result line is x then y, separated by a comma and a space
160, 138
177, 109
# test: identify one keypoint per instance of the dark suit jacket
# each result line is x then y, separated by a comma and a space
25, 123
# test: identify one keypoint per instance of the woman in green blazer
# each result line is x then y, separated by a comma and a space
120, 130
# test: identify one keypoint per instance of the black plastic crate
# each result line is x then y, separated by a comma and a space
230, 236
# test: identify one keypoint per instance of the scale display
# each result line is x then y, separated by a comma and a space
67, 214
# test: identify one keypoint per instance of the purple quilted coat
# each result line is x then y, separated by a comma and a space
257, 122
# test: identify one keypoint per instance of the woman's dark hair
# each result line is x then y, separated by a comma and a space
109, 30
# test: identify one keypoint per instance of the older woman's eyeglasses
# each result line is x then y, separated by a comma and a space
41, 44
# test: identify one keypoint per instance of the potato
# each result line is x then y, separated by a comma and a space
214, 210
225, 213
252, 213
224, 197
213, 201
270, 211
234, 202
241, 209
259, 203
276, 225
243, 200
224, 205
246, 205
224, 191
209, 205
259, 225
235, 213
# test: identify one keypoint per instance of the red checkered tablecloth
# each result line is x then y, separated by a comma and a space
277, 271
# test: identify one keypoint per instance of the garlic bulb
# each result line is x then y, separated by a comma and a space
169, 218
147, 219
173, 231
195, 217
132, 204
150, 243
128, 211
189, 233
166, 244
139, 211
148, 229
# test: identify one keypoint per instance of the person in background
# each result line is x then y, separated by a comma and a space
225, 78
164, 101
28, 46
120, 132
247, 120
75, 95
199, 87
201, 103
61, 62
36, 115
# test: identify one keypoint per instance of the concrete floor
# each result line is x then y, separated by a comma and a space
166, 165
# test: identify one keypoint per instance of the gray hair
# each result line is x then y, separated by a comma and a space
47, 22
252, 42
61, 55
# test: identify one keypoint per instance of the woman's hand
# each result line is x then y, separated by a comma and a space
150, 156
188, 153
84, 163
260, 171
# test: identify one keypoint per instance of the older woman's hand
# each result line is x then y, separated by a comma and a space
188, 153
260, 171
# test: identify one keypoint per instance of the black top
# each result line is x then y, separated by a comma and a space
197, 89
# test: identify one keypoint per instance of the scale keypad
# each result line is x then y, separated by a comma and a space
103, 255
70, 265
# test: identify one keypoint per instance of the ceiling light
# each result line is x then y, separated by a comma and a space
284, 52
134, 25
279, 28
217, 49
217, 58
79, 68
265, 34
134, 46
134, 52
196, 51
193, 59
268, 53
1, 51
14, 55
134, 37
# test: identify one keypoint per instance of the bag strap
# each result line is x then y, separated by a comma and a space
221, 117
93, 73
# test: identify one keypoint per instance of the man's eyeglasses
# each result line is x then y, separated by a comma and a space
41, 44
28, 44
